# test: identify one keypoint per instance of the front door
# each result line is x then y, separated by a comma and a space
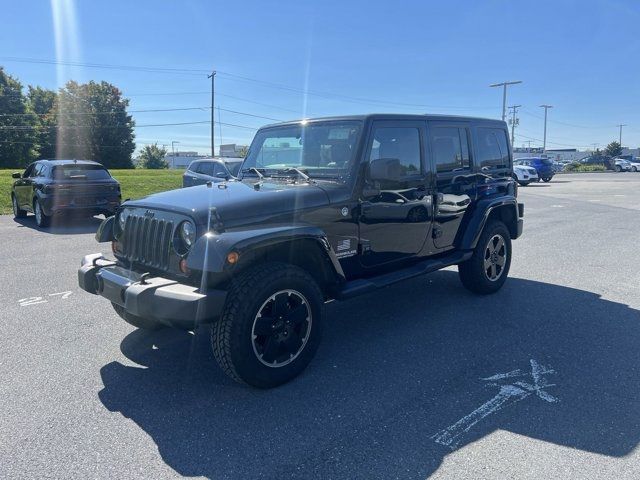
24, 187
456, 182
395, 207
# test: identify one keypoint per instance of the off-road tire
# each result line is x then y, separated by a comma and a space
232, 334
42, 220
472, 272
17, 211
138, 322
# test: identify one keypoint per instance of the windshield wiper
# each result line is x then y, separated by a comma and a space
253, 170
304, 176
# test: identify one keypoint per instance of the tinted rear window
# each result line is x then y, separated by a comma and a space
546, 161
80, 172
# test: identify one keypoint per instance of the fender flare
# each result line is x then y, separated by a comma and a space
210, 251
479, 216
105, 230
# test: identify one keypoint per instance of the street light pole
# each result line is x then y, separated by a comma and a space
513, 121
173, 151
213, 114
504, 95
620, 137
544, 142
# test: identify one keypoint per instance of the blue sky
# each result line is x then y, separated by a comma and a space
583, 57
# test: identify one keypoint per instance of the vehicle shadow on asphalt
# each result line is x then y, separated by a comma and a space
63, 225
395, 368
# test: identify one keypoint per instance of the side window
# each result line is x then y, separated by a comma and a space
450, 148
193, 167
206, 168
42, 171
493, 150
398, 143
217, 168
29, 172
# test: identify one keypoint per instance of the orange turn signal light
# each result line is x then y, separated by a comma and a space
183, 266
232, 257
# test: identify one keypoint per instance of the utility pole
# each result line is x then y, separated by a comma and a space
213, 112
504, 95
219, 127
514, 121
544, 143
620, 137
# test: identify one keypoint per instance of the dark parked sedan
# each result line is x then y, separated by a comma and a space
51, 187
210, 170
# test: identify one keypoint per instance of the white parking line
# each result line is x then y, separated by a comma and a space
509, 394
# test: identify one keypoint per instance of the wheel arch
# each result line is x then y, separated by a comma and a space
503, 209
303, 246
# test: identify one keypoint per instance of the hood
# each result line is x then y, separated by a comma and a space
236, 201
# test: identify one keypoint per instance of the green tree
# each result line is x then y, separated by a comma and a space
152, 157
93, 124
243, 151
42, 103
17, 124
614, 149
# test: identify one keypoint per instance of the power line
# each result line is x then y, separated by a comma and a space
203, 122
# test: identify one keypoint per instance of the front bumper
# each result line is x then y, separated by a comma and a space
164, 300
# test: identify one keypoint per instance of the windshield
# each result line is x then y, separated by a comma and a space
319, 149
80, 171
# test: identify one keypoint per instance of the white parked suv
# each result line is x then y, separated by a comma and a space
524, 175
635, 165
622, 165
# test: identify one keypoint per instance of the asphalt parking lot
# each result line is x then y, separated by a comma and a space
423, 379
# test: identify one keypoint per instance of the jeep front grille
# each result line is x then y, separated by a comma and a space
147, 241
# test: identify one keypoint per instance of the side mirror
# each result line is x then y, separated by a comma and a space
385, 169
222, 175
16, 175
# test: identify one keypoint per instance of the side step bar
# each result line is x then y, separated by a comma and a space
366, 285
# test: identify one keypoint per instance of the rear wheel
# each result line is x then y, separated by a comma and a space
618, 168
42, 219
17, 211
546, 179
486, 271
634, 169
138, 322
270, 327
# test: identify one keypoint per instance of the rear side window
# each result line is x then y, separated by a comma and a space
493, 149
193, 167
206, 168
450, 148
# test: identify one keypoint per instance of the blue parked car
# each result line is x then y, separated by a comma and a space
544, 166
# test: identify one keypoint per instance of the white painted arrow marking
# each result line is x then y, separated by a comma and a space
509, 394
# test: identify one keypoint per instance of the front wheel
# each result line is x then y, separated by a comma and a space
634, 169
486, 271
270, 326
618, 168
546, 179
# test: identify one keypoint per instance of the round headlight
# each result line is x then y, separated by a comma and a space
122, 219
188, 233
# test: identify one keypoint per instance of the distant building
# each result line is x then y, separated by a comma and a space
232, 150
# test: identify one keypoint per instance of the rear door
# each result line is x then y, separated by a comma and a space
396, 213
449, 144
190, 175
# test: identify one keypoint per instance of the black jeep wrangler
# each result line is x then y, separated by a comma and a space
322, 209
